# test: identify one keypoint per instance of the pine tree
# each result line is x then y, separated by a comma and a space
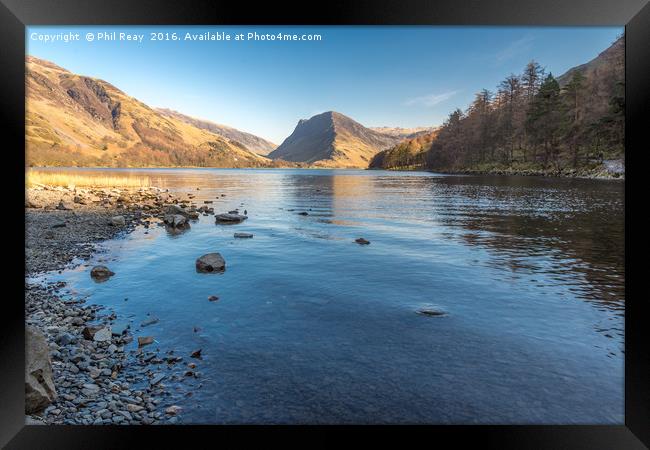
574, 91
545, 119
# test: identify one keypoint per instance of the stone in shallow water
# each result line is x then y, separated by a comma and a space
211, 262
119, 328
229, 218
101, 273
157, 379
173, 410
149, 321
243, 235
175, 220
144, 340
431, 312
362, 241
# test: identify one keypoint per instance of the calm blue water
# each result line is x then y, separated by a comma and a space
313, 328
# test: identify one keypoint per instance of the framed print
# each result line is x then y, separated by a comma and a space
272, 220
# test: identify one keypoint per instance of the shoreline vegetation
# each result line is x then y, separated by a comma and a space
80, 368
606, 170
35, 178
533, 124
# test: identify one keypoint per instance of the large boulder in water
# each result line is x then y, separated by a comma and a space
175, 220
212, 262
229, 218
101, 273
39, 386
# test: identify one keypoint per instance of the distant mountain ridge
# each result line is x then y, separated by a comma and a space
254, 143
403, 133
331, 139
75, 120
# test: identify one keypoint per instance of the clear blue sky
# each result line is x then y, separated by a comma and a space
380, 76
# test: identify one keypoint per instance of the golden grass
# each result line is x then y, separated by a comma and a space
34, 177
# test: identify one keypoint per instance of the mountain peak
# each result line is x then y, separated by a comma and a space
332, 139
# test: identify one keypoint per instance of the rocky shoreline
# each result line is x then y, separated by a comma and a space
612, 169
82, 365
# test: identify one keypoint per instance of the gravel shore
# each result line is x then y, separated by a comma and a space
98, 380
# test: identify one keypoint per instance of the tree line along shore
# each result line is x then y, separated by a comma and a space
533, 124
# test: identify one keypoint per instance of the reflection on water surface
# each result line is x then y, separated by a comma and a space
313, 328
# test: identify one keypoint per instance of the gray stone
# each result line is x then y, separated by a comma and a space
103, 335
230, 218
211, 262
64, 339
157, 379
39, 385
119, 328
149, 321
175, 220
101, 273
243, 235
118, 221
144, 340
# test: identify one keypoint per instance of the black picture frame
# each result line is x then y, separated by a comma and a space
16, 14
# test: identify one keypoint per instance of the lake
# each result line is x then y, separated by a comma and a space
311, 327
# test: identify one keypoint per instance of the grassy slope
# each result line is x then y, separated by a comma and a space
76, 120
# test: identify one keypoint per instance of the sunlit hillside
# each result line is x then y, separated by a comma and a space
75, 120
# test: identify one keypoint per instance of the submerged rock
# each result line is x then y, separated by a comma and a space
230, 218
119, 328
243, 235
149, 321
39, 386
173, 410
213, 298
101, 273
362, 241
157, 379
145, 340
211, 262
431, 312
